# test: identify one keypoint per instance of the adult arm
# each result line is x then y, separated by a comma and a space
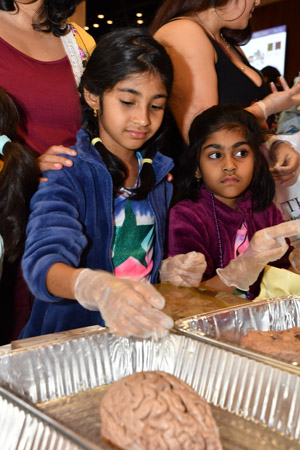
283, 159
195, 85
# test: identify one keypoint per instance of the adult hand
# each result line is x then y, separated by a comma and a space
129, 308
51, 161
183, 270
280, 101
284, 163
295, 254
266, 245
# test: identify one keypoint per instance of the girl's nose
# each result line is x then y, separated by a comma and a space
229, 166
141, 117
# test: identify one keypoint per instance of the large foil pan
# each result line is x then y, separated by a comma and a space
51, 393
227, 326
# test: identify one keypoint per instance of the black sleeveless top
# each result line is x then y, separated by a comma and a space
234, 86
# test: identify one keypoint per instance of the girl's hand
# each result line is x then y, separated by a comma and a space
183, 270
129, 308
266, 245
285, 163
51, 161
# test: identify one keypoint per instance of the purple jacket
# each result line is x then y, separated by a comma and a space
192, 227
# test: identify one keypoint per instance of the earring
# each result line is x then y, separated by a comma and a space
95, 113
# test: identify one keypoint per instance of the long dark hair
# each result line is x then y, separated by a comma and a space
18, 181
170, 9
51, 16
227, 117
119, 54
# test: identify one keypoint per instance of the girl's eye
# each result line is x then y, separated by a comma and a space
215, 155
159, 107
242, 153
124, 102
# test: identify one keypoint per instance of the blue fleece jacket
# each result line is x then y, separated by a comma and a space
71, 222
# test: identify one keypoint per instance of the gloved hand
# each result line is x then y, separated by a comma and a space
129, 308
280, 101
265, 246
295, 254
183, 270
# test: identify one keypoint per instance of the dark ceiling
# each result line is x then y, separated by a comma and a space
121, 12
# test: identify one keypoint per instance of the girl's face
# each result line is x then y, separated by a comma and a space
132, 112
226, 165
237, 13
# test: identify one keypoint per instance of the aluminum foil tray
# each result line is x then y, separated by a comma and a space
50, 394
227, 326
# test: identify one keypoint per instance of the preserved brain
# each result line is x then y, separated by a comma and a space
157, 411
284, 344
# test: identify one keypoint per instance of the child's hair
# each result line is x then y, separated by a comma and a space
118, 55
227, 117
18, 181
51, 16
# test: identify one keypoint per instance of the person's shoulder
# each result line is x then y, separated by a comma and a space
188, 206
276, 214
180, 30
269, 216
83, 37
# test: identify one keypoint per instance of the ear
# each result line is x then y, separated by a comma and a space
197, 174
92, 100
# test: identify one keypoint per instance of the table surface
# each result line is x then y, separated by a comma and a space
180, 302
184, 302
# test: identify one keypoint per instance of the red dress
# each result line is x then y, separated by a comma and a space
48, 100
46, 94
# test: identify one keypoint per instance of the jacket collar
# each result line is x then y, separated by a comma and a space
161, 164
244, 205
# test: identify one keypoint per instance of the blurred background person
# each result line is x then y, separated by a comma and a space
42, 59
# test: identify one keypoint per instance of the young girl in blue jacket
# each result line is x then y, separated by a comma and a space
98, 227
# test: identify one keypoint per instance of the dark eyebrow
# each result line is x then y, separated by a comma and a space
218, 147
134, 92
238, 144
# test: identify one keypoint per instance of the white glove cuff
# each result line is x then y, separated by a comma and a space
83, 302
235, 283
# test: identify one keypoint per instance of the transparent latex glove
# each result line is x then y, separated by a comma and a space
280, 101
129, 308
183, 270
265, 246
295, 254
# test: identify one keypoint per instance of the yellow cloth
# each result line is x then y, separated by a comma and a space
278, 282
84, 40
